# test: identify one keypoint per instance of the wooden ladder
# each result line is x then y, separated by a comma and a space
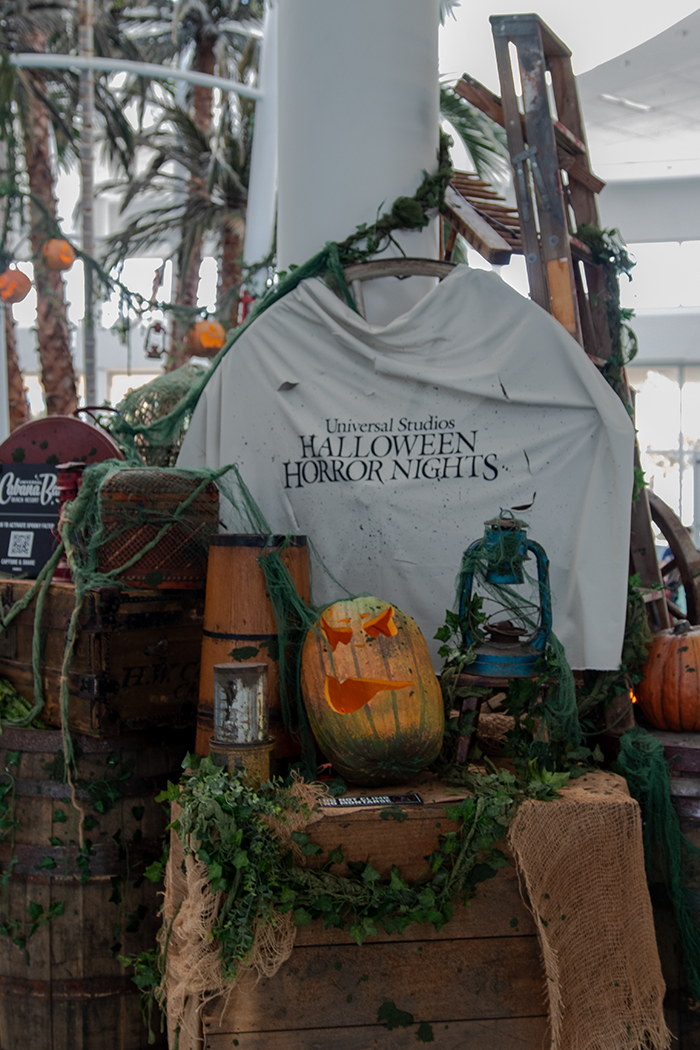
555, 191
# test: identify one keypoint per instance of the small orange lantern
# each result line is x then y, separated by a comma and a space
206, 337
58, 254
14, 286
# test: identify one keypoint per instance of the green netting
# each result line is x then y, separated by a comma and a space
149, 427
154, 506
145, 436
293, 618
154, 400
666, 848
504, 552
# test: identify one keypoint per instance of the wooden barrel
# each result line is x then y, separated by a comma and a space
66, 913
239, 624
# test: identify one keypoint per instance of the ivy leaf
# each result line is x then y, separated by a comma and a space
216, 871
170, 794
335, 856
370, 875
35, 911
154, 871
302, 917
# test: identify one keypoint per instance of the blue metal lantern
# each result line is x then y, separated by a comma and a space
508, 652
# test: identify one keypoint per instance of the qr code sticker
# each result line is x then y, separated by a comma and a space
20, 545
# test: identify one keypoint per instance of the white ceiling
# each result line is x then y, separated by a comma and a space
661, 138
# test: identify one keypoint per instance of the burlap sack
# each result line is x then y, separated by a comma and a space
581, 862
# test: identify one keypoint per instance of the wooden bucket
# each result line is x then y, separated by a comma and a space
64, 987
239, 624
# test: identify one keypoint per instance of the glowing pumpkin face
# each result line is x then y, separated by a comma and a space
206, 338
58, 254
14, 286
370, 691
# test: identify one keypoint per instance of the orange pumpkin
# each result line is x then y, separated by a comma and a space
14, 286
370, 692
206, 337
58, 254
669, 696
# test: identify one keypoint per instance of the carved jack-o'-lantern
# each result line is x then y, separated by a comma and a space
58, 254
14, 286
370, 691
206, 337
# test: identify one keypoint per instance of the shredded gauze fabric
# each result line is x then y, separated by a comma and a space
190, 908
581, 861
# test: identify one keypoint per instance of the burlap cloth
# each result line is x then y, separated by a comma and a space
581, 862
192, 965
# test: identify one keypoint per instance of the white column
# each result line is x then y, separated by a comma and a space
4, 384
358, 124
262, 190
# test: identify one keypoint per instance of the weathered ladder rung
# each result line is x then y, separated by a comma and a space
540, 147
571, 149
475, 229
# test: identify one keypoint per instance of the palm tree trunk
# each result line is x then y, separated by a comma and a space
188, 280
230, 274
53, 333
17, 392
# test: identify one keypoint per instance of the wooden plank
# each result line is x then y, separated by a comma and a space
345, 985
578, 170
563, 303
475, 229
522, 1033
405, 267
569, 111
537, 278
551, 203
480, 96
569, 141
496, 910
388, 835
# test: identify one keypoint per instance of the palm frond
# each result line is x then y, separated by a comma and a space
484, 140
447, 8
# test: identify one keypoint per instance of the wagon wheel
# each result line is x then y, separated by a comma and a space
395, 267
686, 558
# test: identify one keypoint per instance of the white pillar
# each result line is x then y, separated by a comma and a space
4, 384
358, 124
262, 189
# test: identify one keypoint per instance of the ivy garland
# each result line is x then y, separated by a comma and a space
224, 823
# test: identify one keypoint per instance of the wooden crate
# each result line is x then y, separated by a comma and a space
135, 663
478, 984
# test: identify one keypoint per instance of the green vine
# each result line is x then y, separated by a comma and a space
611, 255
602, 687
226, 824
